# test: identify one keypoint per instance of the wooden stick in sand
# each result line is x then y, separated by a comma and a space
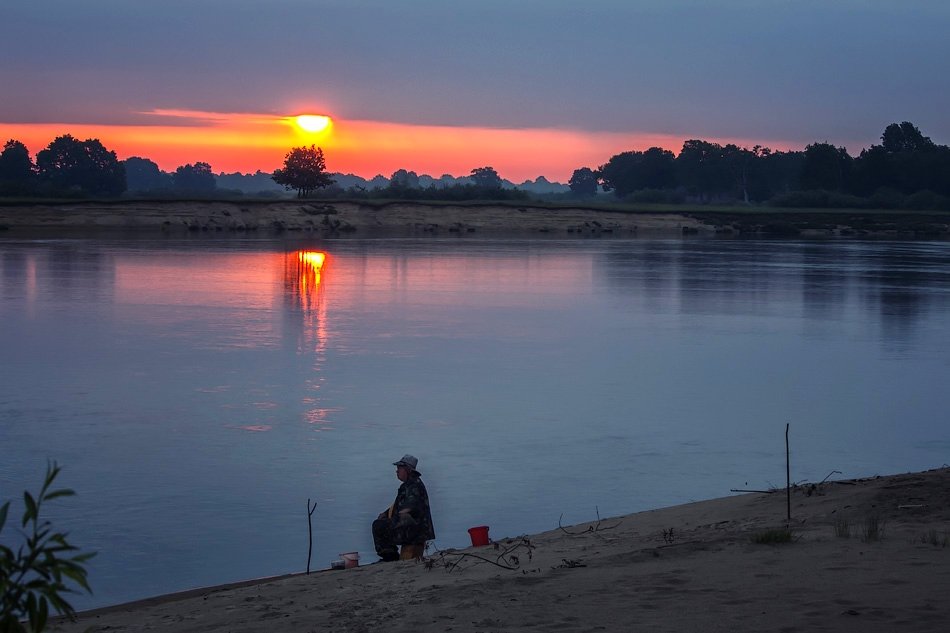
788, 478
310, 531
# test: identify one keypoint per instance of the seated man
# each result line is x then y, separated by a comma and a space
408, 521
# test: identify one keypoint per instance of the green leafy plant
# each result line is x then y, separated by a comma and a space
34, 577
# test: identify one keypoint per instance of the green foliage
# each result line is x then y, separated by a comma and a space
817, 199
627, 172
825, 167
70, 166
904, 137
197, 178
926, 200
405, 179
885, 198
305, 170
906, 162
583, 182
486, 178
17, 171
142, 174
453, 193
656, 196
34, 577
772, 537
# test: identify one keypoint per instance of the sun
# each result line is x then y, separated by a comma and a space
313, 122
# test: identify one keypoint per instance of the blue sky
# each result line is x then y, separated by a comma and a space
766, 70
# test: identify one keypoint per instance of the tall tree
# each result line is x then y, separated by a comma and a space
701, 169
906, 160
825, 167
17, 171
305, 170
631, 171
740, 162
486, 177
583, 182
904, 137
404, 179
142, 174
777, 172
70, 165
197, 178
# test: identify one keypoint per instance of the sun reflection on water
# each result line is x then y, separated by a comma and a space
304, 272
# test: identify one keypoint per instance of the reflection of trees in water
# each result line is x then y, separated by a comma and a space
62, 271
903, 281
72, 271
13, 272
699, 276
826, 279
731, 277
646, 268
895, 282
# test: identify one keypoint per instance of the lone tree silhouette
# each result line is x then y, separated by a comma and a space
305, 170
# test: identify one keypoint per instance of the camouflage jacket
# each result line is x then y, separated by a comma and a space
412, 495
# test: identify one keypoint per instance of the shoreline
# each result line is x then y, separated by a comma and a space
687, 567
335, 218
363, 218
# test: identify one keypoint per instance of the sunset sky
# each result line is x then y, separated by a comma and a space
530, 87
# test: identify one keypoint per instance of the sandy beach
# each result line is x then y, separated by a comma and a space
864, 555
339, 217
369, 219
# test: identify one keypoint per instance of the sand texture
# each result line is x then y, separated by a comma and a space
339, 217
686, 568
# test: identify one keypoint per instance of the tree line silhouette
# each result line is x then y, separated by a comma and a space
906, 170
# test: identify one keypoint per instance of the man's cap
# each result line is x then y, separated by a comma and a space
408, 461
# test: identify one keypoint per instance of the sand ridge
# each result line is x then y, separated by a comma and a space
332, 217
692, 567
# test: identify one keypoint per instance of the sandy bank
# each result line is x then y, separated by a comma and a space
493, 219
694, 567
340, 217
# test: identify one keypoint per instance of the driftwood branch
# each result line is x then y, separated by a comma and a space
810, 488
597, 527
506, 559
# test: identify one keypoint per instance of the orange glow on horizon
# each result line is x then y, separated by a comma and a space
247, 142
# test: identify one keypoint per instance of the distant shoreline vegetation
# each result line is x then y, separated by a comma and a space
906, 171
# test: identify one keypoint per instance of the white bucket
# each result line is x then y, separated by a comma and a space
350, 559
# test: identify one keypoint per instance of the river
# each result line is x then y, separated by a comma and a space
200, 391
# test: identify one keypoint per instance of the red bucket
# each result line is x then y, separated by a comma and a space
479, 535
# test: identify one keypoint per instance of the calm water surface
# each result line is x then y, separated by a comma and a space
199, 391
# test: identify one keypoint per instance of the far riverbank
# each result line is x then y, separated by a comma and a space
367, 218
